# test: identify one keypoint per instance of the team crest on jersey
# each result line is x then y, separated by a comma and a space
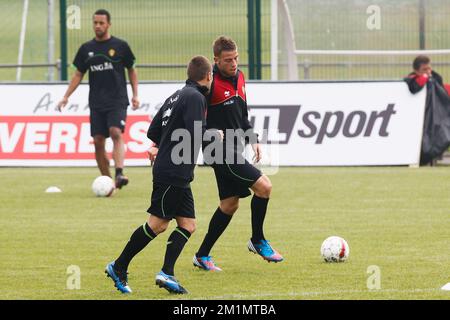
166, 116
111, 52
167, 113
227, 94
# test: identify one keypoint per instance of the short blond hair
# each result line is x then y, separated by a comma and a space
223, 43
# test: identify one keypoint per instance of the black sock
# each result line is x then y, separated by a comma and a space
119, 172
138, 241
217, 226
175, 245
259, 209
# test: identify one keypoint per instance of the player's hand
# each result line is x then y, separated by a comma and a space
152, 152
62, 104
134, 103
258, 153
217, 134
220, 132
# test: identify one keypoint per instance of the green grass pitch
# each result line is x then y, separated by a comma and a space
394, 218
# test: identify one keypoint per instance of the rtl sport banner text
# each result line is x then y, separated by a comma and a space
300, 124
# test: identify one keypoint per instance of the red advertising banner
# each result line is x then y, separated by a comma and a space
63, 137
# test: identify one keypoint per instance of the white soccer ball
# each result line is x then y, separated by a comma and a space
103, 186
335, 249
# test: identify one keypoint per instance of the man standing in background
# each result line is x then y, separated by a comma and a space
106, 57
436, 129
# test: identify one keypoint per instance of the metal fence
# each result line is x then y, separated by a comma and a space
333, 25
164, 34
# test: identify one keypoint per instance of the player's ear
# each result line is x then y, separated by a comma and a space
216, 59
209, 76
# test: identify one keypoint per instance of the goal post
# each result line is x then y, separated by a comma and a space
23, 30
330, 40
281, 19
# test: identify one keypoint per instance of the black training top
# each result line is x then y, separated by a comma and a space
185, 109
106, 62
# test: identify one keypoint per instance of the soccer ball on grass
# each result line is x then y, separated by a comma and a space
103, 186
335, 249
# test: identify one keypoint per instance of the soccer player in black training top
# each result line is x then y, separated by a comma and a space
106, 57
227, 110
171, 196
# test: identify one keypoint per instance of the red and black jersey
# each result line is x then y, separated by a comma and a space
417, 82
227, 107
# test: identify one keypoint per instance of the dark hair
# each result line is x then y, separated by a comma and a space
223, 43
419, 61
198, 68
103, 12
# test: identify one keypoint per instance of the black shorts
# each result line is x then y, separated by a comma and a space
169, 202
103, 119
235, 179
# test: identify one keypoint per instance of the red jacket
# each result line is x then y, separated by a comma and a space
417, 82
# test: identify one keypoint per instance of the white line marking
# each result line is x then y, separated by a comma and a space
318, 293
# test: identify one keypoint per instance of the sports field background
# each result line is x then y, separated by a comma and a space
170, 32
158, 31
343, 25
395, 218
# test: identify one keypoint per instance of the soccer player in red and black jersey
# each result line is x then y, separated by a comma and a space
227, 111
105, 58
